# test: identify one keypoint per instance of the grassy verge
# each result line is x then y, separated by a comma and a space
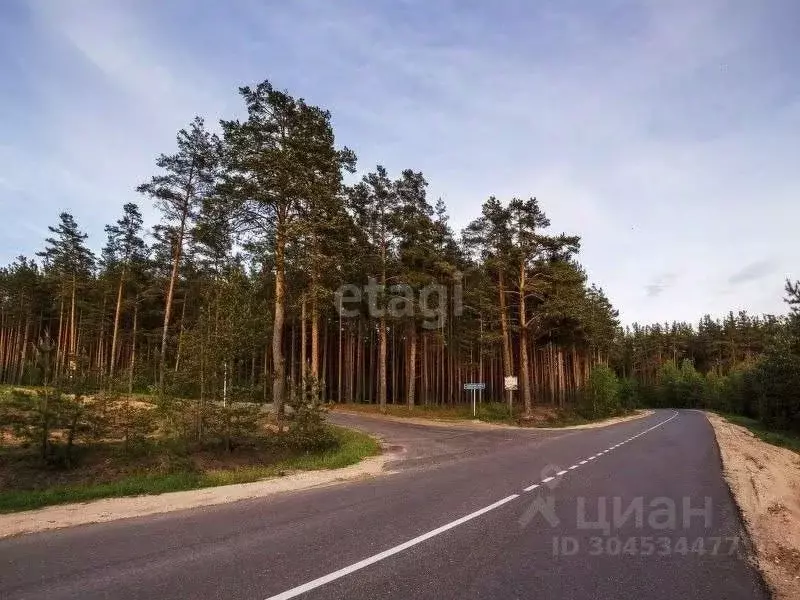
353, 446
491, 412
495, 412
783, 439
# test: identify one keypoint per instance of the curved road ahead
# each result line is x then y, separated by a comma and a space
637, 510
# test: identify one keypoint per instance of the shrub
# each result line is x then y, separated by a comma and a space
601, 396
691, 386
232, 423
668, 389
307, 427
628, 394
776, 388
55, 423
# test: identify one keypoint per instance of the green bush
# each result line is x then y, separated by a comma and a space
691, 386
668, 387
628, 394
735, 392
601, 398
55, 423
776, 390
307, 427
232, 423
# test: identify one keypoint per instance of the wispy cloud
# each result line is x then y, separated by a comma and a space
657, 287
663, 132
753, 272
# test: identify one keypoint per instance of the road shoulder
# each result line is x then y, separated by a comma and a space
112, 509
765, 481
475, 424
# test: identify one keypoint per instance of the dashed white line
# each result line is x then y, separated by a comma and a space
320, 581
325, 579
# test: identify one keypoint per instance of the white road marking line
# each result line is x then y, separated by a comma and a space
572, 467
320, 581
583, 462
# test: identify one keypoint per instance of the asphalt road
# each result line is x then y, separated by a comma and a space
643, 513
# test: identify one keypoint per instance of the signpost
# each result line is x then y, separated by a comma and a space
474, 387
511, 383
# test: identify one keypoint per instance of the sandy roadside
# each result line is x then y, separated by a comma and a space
477, 424
111, 509
765, 480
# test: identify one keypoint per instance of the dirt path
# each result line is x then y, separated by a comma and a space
765, 480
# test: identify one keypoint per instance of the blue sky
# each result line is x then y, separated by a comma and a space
665, 133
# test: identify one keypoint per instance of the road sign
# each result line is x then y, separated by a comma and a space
474, 387
512, 383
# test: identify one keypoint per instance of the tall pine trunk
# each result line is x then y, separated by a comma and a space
278, 361
23, 349
176, 260
508, 364
180, 332
132, 367
315, 362
523, 347
73, 345
115, 331
412, 365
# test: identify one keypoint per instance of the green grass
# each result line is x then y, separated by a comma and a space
492, 412
496, 412
783, 439
353, 446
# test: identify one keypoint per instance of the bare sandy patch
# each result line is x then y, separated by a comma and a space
111, 509
765, 480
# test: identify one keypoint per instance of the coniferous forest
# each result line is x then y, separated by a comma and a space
274, 268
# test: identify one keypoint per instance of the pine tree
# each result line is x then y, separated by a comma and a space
532, 251
189, 176
69, 261
125, 250
274, 163
489, 237
376, 208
